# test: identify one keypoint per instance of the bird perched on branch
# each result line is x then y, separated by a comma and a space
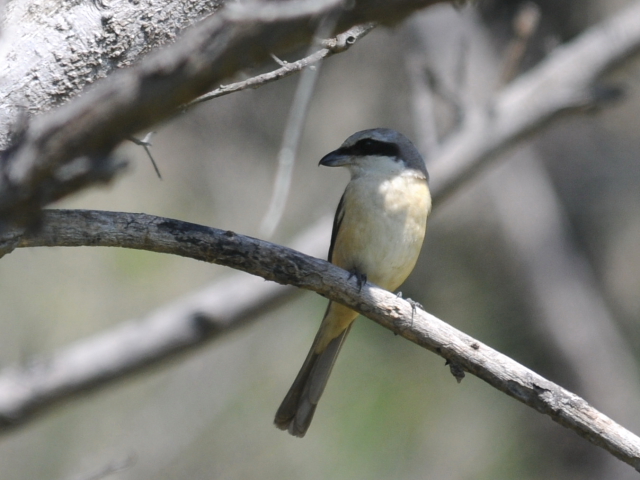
377, 235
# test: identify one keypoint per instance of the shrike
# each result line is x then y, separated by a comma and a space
377, 235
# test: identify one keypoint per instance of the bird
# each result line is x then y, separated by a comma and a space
378, 231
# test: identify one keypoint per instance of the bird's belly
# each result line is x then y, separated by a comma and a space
383, 228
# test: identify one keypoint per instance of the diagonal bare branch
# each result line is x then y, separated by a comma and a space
565, 82
39, 384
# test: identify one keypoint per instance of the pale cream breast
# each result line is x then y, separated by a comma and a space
383, 227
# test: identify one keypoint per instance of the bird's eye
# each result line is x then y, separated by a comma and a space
367, 146
370, 147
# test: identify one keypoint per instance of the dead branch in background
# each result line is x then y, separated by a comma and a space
565, 82
41, 384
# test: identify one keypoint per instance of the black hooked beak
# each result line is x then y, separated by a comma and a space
337, 158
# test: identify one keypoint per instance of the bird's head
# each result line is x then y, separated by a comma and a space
378, 150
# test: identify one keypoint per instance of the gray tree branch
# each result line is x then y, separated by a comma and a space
238, 36
24, 390
52, 49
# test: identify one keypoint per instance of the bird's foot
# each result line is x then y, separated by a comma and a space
361, 278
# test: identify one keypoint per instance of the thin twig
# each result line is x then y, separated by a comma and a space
280, 62
339, 44
146, 144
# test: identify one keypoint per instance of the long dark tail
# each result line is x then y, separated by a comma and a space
297, 409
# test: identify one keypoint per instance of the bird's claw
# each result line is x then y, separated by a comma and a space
361, 278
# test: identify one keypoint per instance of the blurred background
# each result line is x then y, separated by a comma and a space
538, 257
